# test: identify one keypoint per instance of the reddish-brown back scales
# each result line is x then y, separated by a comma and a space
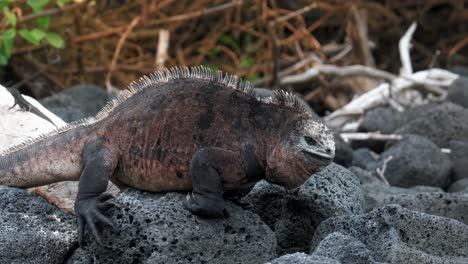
158, 130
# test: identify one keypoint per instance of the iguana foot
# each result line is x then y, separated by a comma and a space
204, 206
89, 211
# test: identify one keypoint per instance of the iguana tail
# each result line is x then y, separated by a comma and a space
50, 158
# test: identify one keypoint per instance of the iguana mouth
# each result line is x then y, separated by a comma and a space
319, 156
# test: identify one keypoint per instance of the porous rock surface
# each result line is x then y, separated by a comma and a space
441, 124
77, 102
383, 119
363, 158
415, 161
393, 234
343, 151
459, 186
156, 228
345, 249
32, 230
458, 92
364, 176
459, 157
423, 199
302, 258
431, 108
295, 214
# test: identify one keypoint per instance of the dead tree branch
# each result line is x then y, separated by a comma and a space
359, 70
109, 86
163, 45
370, 136
381, 171
404, 46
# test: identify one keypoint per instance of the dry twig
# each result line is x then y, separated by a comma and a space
381, 171
110, 88
204, 12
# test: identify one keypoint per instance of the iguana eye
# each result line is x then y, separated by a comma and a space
310, 141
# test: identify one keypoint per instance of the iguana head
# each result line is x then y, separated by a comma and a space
305, 149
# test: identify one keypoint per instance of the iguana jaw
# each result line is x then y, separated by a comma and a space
319, 156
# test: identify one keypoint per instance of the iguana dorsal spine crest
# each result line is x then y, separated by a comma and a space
281, 98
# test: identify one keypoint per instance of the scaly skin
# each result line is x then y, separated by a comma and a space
184, 130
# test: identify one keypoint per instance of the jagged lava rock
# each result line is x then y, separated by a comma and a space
415, 161
267, 200
459, 69
376, 192
295, 214
77, 102
32, 230
459, 186
364, 176
363, 158
302, 258
345, 249
156, 228
458, 92
383, 119
343, 151
459, 157
441, 124
394, 234
423, 199
80, 256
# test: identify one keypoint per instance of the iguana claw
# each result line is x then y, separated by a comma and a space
90, 211
203, 207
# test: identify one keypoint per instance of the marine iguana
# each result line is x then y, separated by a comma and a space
181, 129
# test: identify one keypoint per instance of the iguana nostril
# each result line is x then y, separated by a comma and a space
328, 150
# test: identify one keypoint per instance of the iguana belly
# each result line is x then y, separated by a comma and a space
155, 177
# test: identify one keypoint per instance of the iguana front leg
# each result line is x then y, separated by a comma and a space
212, 171
91, 201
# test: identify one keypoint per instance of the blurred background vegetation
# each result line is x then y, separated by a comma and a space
54, 44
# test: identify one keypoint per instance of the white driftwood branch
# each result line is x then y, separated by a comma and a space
369, 136
379, 95
163, 45
353, 70
446, 150
381, 171
404, 46
360, 70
